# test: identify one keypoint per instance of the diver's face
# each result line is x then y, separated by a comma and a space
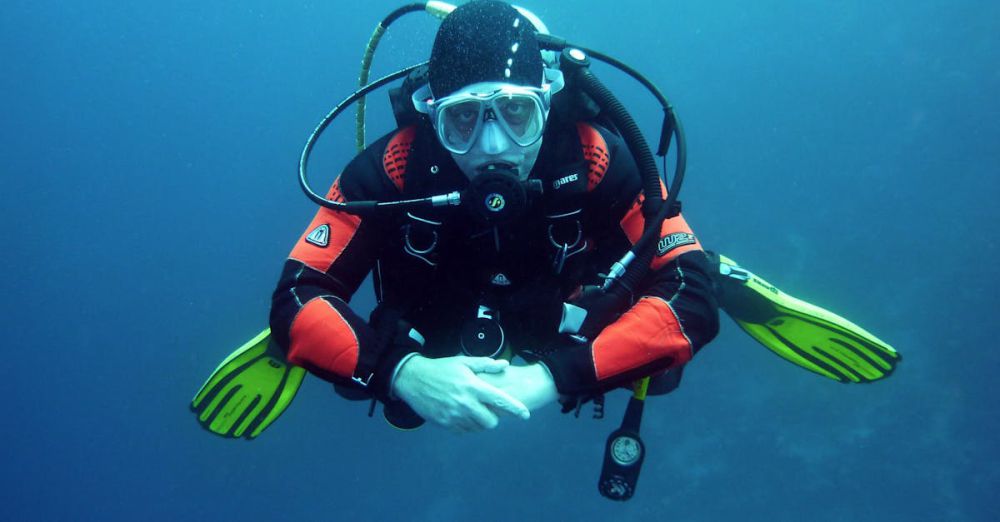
492, 125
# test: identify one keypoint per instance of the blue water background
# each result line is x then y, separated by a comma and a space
845, 150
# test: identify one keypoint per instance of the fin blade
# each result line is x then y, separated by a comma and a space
789, 352
816, 342
293, 381
845, 341
222, 422
248, 390
251, 349
268, 379
219, 414
799, 308
800, 332
250, 413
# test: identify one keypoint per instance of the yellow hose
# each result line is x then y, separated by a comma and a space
639, 388
434, 8
366, 66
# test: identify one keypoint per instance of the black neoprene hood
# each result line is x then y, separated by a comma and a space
484, 41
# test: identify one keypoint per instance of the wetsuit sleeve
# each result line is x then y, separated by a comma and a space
674, 312
310, 317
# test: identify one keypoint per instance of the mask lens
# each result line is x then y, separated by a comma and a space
523, 117
457, 124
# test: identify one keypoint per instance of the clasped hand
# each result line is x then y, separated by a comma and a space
468, 393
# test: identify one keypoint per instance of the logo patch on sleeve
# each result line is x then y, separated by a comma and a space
320, 236
677, 239
500, 279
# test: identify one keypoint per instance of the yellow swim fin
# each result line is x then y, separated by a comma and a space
248, 391
802, 333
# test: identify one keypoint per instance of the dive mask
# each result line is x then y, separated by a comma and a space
520, 111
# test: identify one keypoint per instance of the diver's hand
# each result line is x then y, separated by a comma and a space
448, 391
531, 384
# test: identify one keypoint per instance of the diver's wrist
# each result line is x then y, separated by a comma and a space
395, 374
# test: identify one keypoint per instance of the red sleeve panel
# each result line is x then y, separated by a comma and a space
323, 342
651, 330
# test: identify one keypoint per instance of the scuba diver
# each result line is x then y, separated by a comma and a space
489, 219
443, 271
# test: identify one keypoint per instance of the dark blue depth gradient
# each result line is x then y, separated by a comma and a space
845, 150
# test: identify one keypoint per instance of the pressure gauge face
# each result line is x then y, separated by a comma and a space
626, 450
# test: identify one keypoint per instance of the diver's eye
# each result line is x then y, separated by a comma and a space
464, 113
466, 116
462, 118
516, 111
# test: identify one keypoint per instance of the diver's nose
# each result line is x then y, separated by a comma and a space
493, 139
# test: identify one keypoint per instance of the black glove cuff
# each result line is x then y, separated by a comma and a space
395, 350
571, 366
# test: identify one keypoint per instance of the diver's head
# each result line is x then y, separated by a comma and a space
489, 91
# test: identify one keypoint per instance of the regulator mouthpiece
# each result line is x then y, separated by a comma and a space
497, 196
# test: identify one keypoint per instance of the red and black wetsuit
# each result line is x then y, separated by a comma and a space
434, 268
